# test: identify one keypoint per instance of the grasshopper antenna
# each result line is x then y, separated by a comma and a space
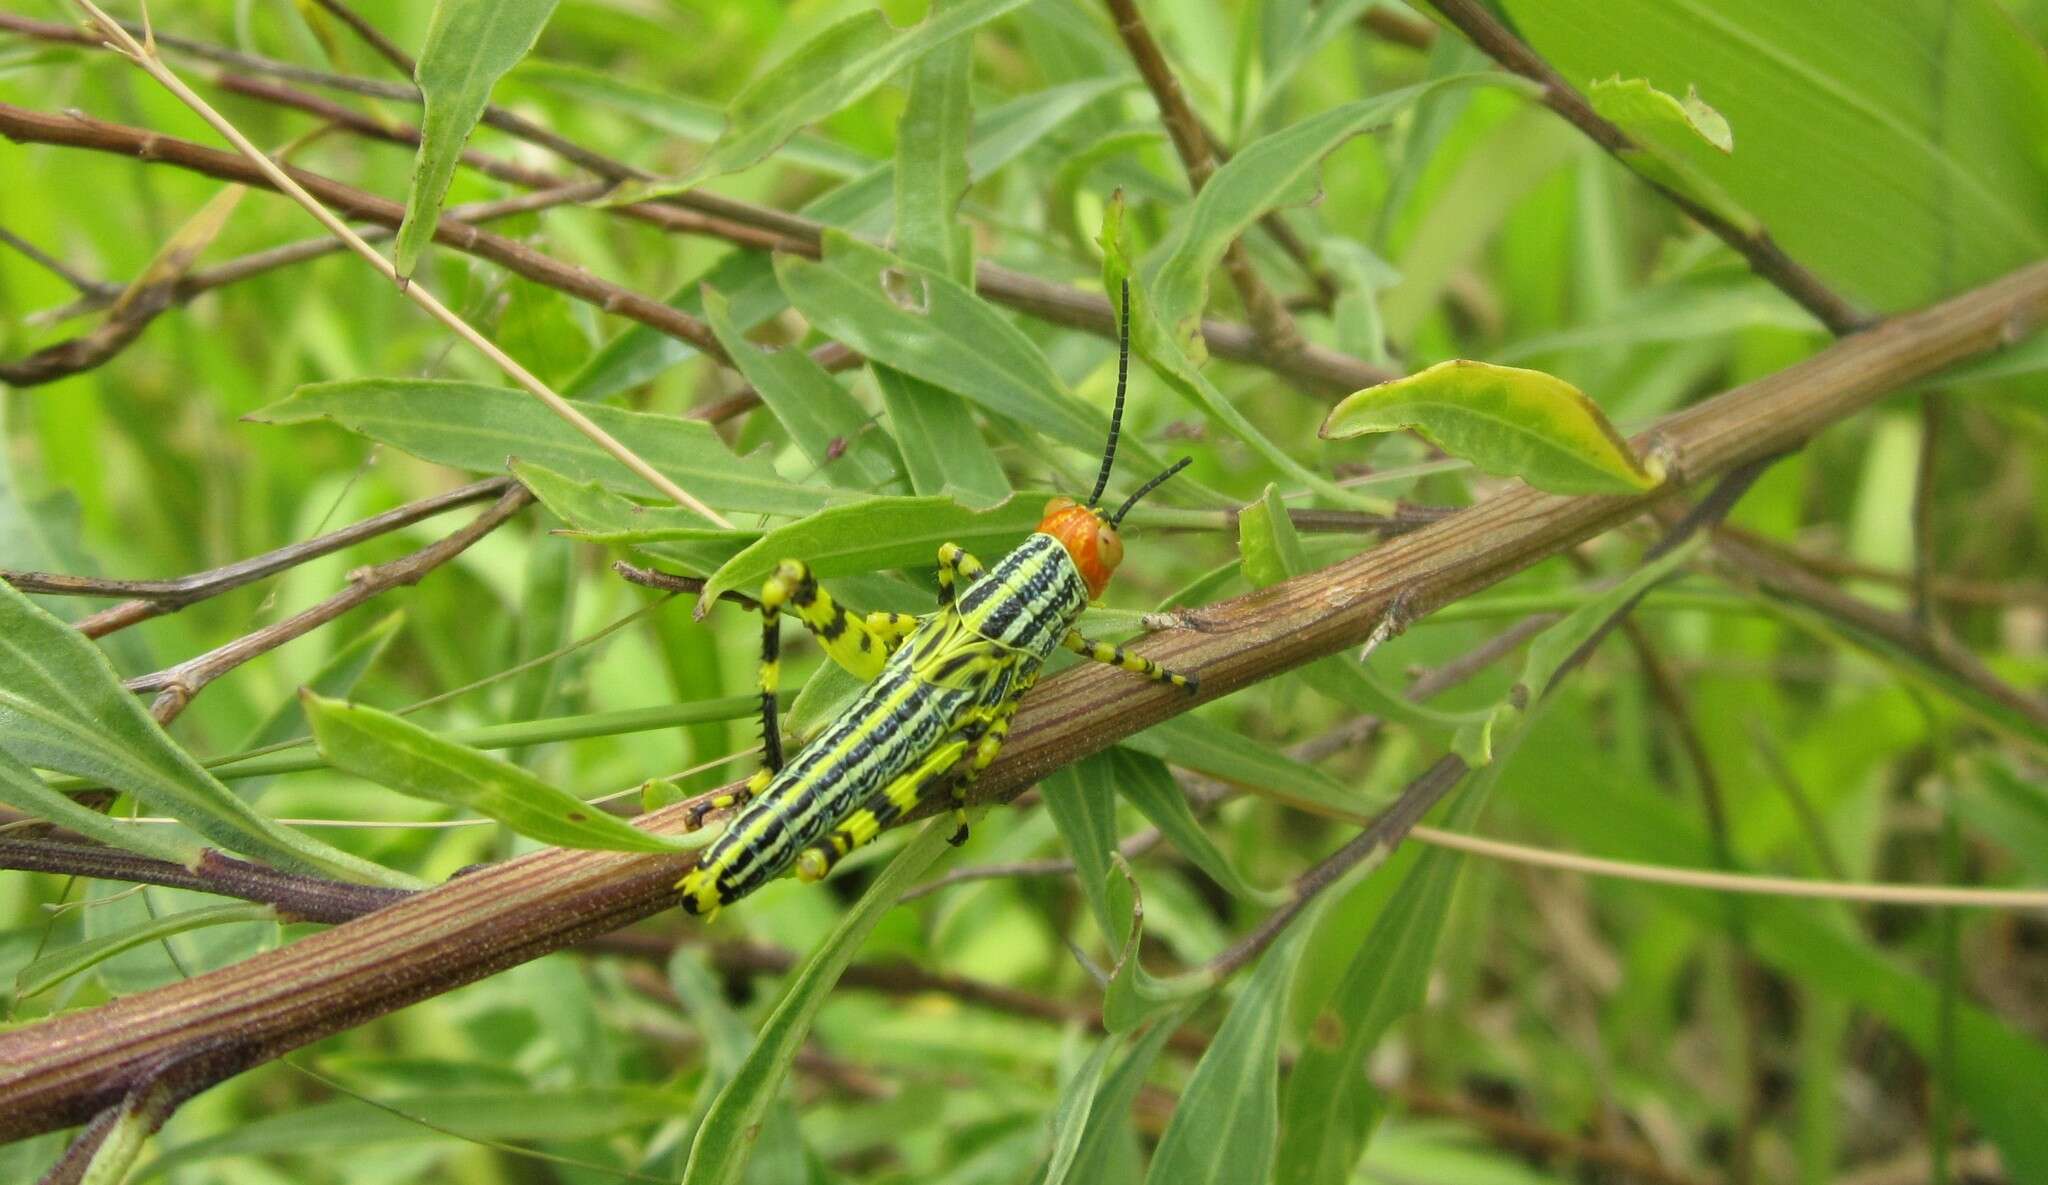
1123, 376
1118, 518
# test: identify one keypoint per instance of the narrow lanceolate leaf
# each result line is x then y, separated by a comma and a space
1222, 753
1675, 140
1275, 171
674, 533
937, 330
1082, 801
878, 533
1070, 1118
470, 44
53, 969
409, 759
1553, 646
842, 63
1133, 994
931, 163
477, 427
1152, 342
1330, 1107
336, 677
1146, 784
1228, 1119
821, 416
726, 1138
25, 791
943, 449
1001, 135
63, 708
140, 1113
1508, 421
1109, 1141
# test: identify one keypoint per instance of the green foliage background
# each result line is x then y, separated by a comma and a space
1898, 155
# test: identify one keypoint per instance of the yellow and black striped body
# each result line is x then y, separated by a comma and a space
944, 689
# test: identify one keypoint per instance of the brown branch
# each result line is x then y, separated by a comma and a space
1946, 588
88, 287
303, 898
153, 598
65, 1069
372, 36
1270, 319
1399, 26
1745, 562
79, 131
177, 685
1765, 257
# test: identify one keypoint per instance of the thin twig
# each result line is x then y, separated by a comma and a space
151, 64
304, 898
154, 598
177, 685
1765, 257
87, 286
1862, 892
1267, 312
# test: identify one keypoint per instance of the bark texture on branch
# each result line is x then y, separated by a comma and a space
64, 1070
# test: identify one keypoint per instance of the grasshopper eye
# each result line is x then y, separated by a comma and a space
1109, 548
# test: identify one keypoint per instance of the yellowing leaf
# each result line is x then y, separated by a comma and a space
1507, 421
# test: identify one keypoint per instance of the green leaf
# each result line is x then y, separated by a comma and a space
1108, 1136
1082, 801
936, 330
1227, 1121
1508, 421
53, 969
718, 1156
1133, 994
1549, 650
136, 1118
1146, 784
670, 532
477, 427
837, 66
63, 708
1672, 136
943, 448
1330, 1107
348, 1126
470, 44
822, 417
1001, 135
931, 163
1151, 342
1913, 125
336, 677
1070, 1118
1223, 753
407, 758
23, 790
1274, 171
877, 533
681, 116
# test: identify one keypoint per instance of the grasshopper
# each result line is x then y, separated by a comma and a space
941, 692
